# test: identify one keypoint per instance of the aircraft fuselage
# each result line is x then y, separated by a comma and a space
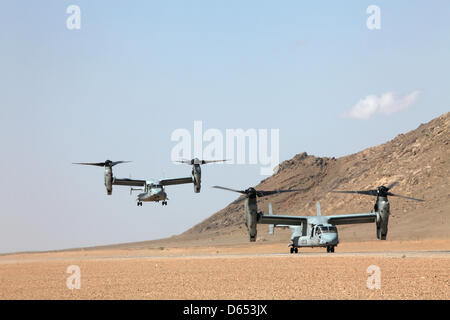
153, 193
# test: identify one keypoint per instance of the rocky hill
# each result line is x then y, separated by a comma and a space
419, 160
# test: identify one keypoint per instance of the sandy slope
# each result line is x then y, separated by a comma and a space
418, 160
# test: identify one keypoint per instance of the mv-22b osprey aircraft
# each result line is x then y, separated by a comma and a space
153, 189
321, 231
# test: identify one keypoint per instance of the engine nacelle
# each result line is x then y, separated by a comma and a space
197, 185
197, 177
108, 180
251, 218
382, 219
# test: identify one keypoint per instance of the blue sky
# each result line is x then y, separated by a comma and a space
135, 72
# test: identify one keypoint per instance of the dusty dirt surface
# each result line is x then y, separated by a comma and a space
408, 270
214, 260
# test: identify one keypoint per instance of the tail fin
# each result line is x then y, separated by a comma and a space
319, 213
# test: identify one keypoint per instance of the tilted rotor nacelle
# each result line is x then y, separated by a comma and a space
108, 164
197, 171
383, 212
382, 206
251, 213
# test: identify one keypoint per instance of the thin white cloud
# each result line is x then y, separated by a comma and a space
385, 104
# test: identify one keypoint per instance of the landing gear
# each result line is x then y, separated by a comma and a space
164, 203
294, 250
139, 204
330, 249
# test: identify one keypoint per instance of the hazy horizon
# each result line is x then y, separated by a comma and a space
118, 87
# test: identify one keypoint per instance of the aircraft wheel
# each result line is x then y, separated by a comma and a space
292, 250
296, 250
332, 249
328, 249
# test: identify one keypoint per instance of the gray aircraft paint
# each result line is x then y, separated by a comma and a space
153, 189
197, 170
307, 230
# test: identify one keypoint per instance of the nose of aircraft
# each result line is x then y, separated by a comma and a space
328, 238
161, 194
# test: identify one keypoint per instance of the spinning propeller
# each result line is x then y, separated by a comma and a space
252, 192
198, 161
382, 191
107, 163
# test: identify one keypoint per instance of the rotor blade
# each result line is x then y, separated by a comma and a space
184, 161
365, 192
397, 195
101, 164
260, 193
117, 162
393, 184
228, 189
211, 161
98, 164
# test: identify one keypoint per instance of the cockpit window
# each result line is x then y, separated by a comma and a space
328, 229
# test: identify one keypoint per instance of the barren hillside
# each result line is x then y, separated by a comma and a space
419, 160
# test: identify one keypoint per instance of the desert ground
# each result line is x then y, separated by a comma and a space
214, 260
408, 270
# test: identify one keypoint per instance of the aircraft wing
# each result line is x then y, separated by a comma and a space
129, 182
282, 220
168, 182
352, 218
